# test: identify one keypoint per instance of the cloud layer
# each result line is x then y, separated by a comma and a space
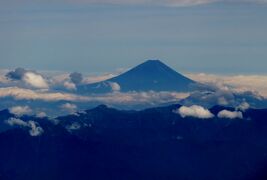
237, 83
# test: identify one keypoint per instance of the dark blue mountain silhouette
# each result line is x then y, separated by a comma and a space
151, 144
150, 75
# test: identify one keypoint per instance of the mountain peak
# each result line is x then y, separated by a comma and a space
151, 75
153, 61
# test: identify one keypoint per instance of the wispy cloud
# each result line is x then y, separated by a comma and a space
35, 129
28, 94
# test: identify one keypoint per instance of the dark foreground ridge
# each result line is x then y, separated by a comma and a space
150, 75
109, 144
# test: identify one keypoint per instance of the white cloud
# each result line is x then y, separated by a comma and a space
150, 97
194, 111
69, 85
35, 130
230, 114
235, 83
114, 86
28, 94
41, 115
16, 122
243, 106
35, 80
69, 107
21, 110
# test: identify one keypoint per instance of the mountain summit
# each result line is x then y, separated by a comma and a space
150, 75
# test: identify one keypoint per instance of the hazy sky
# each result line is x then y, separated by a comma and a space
213, 36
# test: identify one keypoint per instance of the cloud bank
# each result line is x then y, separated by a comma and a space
236, 83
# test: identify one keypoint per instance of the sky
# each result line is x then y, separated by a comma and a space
211, 36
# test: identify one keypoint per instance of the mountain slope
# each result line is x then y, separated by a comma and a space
150, 75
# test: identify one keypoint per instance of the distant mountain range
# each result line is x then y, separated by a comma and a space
157, 143
152, 75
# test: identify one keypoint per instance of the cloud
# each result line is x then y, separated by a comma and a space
69, 107
243, 106
76, 78
16, 122
69, 85
41, 115
94, 79
30, 78
21, 110
230, 114
194, 111
28, 94
235, 83
35, 129
73, 126
130, 98
114, 86
35, 80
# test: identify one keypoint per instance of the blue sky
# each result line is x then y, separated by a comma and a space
220, 37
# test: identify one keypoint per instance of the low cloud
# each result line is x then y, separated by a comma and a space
73, 126
194, 111
150, 97
16, 122
71, 108
41, 114
30, 78
28, 94
243, 106
235, 83
114, 86
69, 85
21, 110
230, 114
35, 129
94, 79
35, 80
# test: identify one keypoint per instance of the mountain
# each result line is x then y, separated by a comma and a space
105, 144
150, 75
